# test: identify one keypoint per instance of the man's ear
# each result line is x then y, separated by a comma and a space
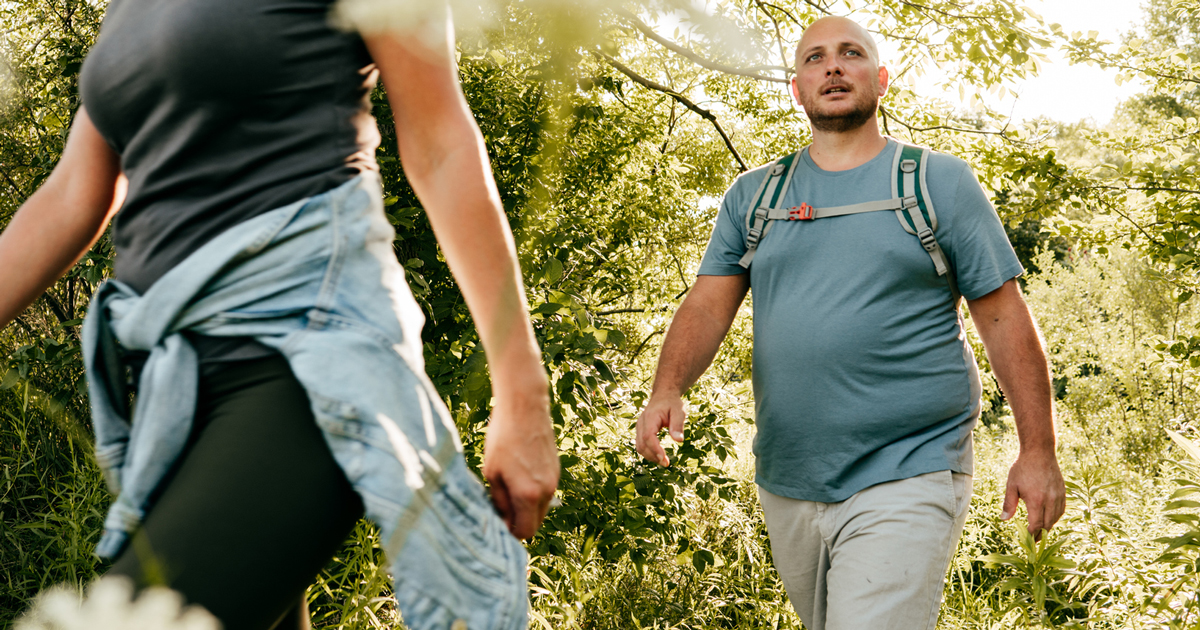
795, 91
884, 80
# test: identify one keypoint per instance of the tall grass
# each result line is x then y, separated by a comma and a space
52, 502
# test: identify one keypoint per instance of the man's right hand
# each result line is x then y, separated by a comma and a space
662, 412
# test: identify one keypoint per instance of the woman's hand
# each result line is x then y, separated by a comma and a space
520, 457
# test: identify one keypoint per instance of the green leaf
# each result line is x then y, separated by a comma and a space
1187, 445
10, 379
552, 271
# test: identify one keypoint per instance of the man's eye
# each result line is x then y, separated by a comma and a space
813, 57
852, 52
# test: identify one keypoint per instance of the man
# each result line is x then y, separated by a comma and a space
866, 390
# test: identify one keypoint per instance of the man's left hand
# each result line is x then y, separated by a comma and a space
1035, 479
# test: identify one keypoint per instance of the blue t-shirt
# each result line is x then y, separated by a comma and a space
862, 371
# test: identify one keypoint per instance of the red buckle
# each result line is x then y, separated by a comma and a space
802, 212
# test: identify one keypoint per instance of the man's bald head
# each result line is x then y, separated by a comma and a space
845, 27
838, 79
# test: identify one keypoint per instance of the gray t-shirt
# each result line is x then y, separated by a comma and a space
862, 372
222, 110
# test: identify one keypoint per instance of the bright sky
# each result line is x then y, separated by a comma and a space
1061, 91
1071, 93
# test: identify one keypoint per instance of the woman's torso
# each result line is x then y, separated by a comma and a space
222, 110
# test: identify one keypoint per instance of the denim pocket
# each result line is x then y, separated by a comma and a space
237, 317
324, 320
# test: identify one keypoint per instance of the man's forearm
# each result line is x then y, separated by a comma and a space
1020, 367
692, 341
696, 332
1018, 359
691, 344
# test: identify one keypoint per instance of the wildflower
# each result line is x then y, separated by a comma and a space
109, 605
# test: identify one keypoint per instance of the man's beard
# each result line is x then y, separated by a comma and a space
846, 121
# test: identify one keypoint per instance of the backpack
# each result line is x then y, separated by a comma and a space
911, 202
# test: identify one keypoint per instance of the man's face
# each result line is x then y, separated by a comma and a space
838, 77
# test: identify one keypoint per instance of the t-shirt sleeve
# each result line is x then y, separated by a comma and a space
978, 248
728, 241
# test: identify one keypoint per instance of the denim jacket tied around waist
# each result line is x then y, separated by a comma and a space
318, 282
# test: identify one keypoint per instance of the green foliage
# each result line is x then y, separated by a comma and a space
1103, 319
1179, 600
1040, 576
354, 589
722, 578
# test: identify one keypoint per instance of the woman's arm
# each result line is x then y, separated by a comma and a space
444, 158
61, 221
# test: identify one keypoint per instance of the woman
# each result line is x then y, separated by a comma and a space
281, 392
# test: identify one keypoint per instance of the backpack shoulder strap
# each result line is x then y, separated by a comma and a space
916, 214
769, 196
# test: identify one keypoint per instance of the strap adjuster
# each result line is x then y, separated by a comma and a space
753, 235
802, 212
927, 239
908, 166
761, 213
910, 202
778, 169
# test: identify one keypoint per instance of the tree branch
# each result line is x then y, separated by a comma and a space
642, 346
778, 31
1139, 228
631, 310
14, 29
1154, 73
695, 58
683, 100
928, 9
1003, 133
61, 313
1147, 189
11, 182
23, 324
789, 13
888, 115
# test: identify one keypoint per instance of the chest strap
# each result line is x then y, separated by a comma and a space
910, 201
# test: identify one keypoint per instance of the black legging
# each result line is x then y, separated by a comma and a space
255, 508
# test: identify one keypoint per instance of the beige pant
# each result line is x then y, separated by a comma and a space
876, 561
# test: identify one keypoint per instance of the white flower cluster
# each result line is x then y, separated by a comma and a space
424, 17
8, 89
374, 16
109, 605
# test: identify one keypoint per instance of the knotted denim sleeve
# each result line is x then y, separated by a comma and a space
317, 281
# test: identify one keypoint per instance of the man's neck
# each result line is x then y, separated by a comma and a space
843, 151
